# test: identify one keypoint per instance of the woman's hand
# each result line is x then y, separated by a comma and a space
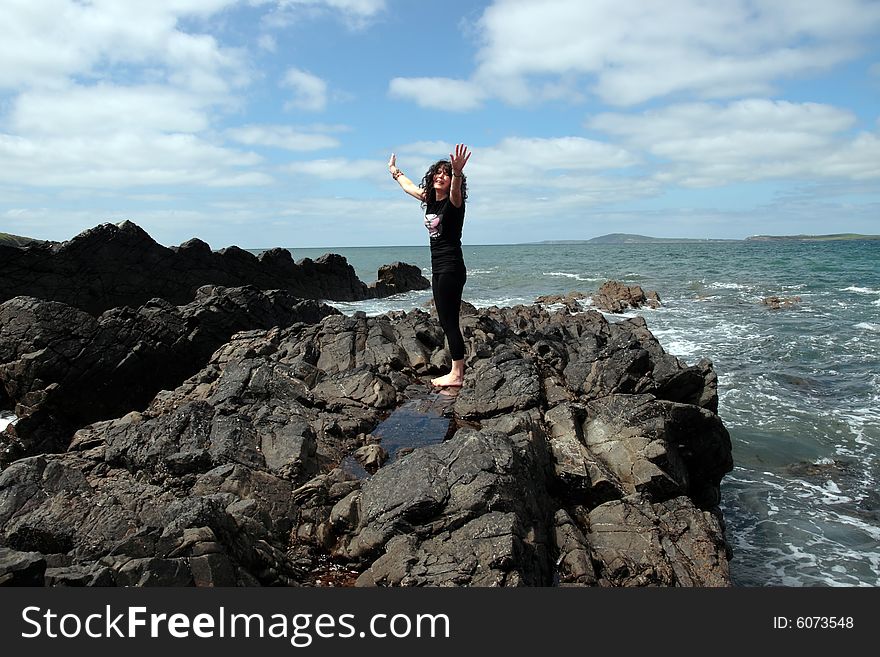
392, 164
459, 159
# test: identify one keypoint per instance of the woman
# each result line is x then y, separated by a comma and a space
443, 193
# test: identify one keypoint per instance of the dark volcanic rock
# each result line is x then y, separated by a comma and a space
615, 297
63, 368
665, 544
469, 512
396, 278
145, 535
581, 454
21, 568
114, 265
623, 445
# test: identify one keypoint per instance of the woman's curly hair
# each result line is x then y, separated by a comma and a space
428, 181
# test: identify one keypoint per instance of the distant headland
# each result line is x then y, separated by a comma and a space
625, 238
837, 237
16, 240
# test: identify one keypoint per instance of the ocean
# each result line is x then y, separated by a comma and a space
799, 387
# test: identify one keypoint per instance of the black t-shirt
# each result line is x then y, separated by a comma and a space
444, 222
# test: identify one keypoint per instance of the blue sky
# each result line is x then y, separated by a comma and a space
268, 123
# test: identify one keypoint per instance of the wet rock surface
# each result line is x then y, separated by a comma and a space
114, 265
616, 297
578, 452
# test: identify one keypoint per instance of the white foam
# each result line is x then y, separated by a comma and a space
860, 290
682, 347
501, 302
577, 277
831, 487
727, 286
868, 326
372, 307
828, 493
6, 420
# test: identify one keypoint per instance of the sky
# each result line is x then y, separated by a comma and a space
264, 123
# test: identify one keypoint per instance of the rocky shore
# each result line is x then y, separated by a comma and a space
158, 446
114, 265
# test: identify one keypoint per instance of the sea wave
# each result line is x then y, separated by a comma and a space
501, 302
868, 326
728, 286
372, 307
795, 527
860, 290
577, 277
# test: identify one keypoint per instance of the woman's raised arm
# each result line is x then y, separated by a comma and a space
405, 183
457, 161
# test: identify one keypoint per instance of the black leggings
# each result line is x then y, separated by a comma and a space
447, 299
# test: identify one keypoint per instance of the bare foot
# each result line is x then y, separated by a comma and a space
447, 381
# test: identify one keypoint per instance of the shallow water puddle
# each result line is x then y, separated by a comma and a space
426, 419
423, 420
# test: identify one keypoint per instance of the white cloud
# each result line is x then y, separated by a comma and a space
109, 95
523, 165
279, 136
859, 159
340, 169
268, 43
438, 93
114, 136
45, 43
365, 8
517, 163
124, 160
534, 155
105, 109
356, 14
706, 144
527, 178
630, 52
310, 91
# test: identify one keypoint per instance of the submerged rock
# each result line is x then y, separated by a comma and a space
780, 303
